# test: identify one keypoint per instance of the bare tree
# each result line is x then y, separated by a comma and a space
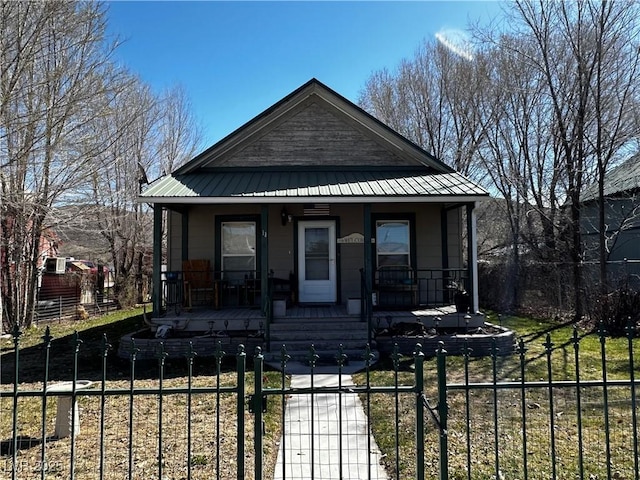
179, 132
588, 54
116, 177
543, 108
54, 75
616, 96
150, 134
430, 99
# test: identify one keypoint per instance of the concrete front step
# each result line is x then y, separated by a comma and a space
318, 344
325, 356
316, 327
318, 322
336, 336
325, 334
304, 328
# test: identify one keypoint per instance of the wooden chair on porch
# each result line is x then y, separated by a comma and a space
198, 283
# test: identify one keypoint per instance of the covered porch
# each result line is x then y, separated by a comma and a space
406, 257
340, 257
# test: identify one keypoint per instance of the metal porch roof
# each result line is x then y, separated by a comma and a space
240, 186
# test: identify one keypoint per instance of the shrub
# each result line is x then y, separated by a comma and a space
616, 309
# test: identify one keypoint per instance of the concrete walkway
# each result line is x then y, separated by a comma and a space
340, 446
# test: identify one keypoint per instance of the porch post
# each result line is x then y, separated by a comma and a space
157, 258
264, 257
185, 234
472, 255
368, 265
444, 236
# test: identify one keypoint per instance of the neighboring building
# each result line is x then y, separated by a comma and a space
304, 198
622, 220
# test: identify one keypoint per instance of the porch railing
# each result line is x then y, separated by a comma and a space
393, 287
211, 288
437, 287
404, 287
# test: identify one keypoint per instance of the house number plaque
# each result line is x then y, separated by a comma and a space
352, 238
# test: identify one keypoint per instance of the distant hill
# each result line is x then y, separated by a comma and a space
78, 235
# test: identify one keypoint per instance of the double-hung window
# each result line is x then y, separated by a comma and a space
393, 243
238, 253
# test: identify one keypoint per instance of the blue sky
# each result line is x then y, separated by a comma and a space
236, 59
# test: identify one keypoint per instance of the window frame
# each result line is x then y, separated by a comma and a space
220, 221
394, 217
404, 253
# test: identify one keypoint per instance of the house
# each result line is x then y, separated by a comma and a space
622, 221
313, 202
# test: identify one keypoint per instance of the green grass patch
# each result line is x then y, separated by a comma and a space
113, 324
486, 426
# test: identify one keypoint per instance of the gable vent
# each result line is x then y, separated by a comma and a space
316, 209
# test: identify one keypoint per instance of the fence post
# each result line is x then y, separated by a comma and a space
576, 356
105, 346
240, 369
132, 376
257, 407
548, 346
75, 343
602, 333
47, 354
418, 357
630, 330
522, 351
162, 356
443, 410
191, 354
14, 431
496, 422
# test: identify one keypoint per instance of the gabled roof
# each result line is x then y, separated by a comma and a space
622, 180
314, 145
317, 92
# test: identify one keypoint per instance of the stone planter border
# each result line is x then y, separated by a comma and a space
479, 343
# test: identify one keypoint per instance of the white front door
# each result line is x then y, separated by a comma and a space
317, 261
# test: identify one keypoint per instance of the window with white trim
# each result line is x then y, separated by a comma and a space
238, 250
393, 243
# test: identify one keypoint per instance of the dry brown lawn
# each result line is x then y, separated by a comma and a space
213, 429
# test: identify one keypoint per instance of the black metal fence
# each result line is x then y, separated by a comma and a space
547, 412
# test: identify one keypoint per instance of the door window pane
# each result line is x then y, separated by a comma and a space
316, 248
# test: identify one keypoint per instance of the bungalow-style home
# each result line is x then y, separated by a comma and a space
312, 203
622, 222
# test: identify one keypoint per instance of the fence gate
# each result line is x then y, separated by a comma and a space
326, 419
